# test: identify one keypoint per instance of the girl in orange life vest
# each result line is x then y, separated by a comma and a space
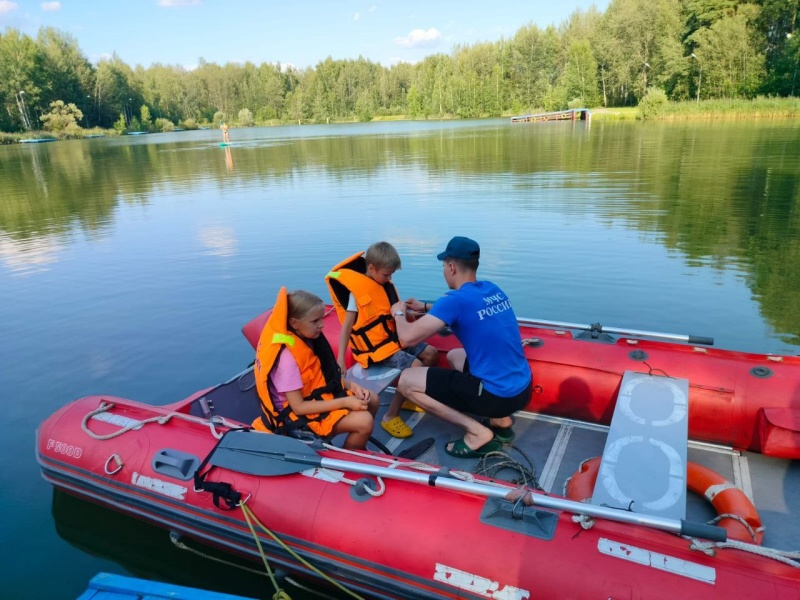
291, 361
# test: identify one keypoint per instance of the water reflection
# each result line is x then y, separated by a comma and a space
26, 256
724, 196
143, 550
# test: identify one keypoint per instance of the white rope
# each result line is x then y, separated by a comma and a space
161, 420
584, 521
710, 548
753, 532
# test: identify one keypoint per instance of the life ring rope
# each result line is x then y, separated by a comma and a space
754, 532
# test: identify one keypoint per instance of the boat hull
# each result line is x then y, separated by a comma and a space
413, 541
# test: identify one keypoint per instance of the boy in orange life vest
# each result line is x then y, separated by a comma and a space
362, 292
298, 380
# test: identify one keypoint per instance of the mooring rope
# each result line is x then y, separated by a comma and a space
180, 544
250, 516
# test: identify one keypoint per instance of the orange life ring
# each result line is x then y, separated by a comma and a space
737, 515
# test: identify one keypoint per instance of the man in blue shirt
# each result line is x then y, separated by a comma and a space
490, 375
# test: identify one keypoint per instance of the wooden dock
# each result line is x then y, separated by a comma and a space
573, 114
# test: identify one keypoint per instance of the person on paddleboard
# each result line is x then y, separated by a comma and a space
226, 138
490, 377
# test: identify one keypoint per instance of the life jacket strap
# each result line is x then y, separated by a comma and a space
361, 334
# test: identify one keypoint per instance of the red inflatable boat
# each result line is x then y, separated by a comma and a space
387, 527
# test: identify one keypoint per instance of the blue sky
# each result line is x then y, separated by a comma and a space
297, 32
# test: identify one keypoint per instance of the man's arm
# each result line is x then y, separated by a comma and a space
413, 333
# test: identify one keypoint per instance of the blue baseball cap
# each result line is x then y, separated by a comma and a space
461, 247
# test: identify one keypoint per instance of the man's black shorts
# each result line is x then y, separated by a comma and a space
465, 393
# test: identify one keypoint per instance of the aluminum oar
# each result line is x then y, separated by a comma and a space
265, 454
676, 337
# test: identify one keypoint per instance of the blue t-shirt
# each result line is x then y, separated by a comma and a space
481, 317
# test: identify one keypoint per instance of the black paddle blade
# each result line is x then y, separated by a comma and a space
418, 449
266, 454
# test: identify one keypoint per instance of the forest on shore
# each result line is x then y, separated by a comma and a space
671, 49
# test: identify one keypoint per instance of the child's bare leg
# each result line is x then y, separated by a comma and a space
429, 357
358, 427
398, 399
374, 403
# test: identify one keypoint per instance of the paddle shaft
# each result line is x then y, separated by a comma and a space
681, 527
677, 337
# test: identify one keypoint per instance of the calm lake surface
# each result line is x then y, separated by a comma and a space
128, 266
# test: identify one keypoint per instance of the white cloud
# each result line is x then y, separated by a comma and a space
177, 3
420, 38
51, 6
6, 6
356, 16
372, 8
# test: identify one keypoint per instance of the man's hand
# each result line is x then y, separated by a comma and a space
415, 305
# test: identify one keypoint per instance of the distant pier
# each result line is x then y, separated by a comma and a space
573, 114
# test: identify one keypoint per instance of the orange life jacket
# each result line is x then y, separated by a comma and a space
374, 335
318, 369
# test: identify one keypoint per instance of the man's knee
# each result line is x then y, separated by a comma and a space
457, 357
412, 380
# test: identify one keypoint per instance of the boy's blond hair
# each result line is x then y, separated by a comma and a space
301, 303
382, 255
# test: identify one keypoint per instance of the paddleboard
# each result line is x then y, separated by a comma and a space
37, 140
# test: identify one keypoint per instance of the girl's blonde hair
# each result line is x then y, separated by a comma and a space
301, 303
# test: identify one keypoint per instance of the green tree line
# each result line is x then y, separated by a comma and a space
690, 49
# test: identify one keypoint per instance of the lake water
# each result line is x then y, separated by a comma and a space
128, 265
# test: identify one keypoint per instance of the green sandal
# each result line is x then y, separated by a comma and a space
459, 449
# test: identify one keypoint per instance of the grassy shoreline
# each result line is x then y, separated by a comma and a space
689, 110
